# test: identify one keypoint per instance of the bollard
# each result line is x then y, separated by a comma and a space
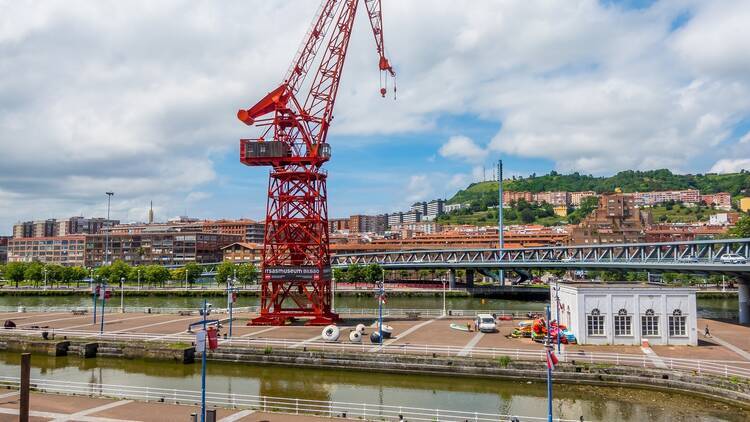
193, 417
23, 407
211, 415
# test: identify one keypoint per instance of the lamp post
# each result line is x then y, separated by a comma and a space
557, 299
122, 295
44, 270
500, 239
139, 278
106, 234
444, 281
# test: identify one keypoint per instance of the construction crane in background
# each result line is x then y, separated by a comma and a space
296, 272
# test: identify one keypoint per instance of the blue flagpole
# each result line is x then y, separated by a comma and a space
548, 347
102, 294
203, 365
557, 307
380, 308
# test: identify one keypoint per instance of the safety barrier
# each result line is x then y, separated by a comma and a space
286, 405
722, 368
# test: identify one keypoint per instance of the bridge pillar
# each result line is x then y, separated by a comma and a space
452, 278
744, 296
469, 279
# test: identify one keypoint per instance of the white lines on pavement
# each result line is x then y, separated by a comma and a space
111, 321
77, 416
62, 416
265, 330
6, 395
237, 416
466, 351
51, 320
405, 333
745, 355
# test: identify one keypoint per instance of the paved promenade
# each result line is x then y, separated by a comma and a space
59, 408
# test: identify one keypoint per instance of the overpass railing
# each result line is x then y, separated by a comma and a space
693, 252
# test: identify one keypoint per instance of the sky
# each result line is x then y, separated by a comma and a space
140, 98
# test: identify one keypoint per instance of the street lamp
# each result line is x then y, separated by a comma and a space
122, 295
444, 281
106, 234
139, 278
500, 239
44, 270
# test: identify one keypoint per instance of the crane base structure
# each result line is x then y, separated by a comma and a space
296, 271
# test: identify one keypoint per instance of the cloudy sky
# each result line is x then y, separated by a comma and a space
140, 97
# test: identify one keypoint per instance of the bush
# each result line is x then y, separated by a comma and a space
504, 361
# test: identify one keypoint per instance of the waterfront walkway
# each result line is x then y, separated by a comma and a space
58, 408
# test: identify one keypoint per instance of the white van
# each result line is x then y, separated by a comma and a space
486, 323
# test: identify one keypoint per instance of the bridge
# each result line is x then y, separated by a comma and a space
694, 257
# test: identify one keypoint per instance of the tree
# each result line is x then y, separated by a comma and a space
119, 270
76, 274
34, 272
355, 273
156, 274
55, 273
224, 272
247, 274
193, 271
102, 273
527, 215
340, 275
15, 272
742, 228
373, 273
136, 273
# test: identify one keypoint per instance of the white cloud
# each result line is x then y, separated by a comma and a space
731, 165
462, 148
419, 188
140, 97
745, 139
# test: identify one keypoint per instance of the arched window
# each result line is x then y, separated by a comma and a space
623, 323
649, 323
677, 324
595, 323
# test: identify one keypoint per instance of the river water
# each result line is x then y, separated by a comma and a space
603, 404
723, 308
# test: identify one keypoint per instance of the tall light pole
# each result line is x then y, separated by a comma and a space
500, 240
444, 281
122, 295
106, 234
44, 270
139, 279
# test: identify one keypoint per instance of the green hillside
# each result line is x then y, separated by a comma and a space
485, 193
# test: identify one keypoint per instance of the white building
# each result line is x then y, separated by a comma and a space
628, 313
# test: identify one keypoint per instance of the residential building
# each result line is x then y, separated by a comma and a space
721, 200
43, 228
63, 250
411, 217
368, 223
687, 196
161, 248
745, 204
628, 313
338, 225
510, 196
395, 218
243, 252
251, 230
617, 220
552, 198
683, 232
82, 225
24, 229
426, 227
561, 210
577, 197
435, 207
420, 207
455, 207
4, 248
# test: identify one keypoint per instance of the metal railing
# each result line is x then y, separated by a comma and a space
286, 405
723, 368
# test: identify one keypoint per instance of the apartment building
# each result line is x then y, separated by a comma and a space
243, 252
553, 198
411, 217
617, 220
64, 227
577, 197
721, 200
435, 207
688, 196
62, 250
4, 249
420, 207
510, 196
368, 223
251, 230
426, 227
455, 207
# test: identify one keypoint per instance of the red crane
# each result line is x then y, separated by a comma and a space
296, 272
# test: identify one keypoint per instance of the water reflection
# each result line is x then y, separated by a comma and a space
431, 392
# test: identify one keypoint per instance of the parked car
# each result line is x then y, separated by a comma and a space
733, 258
486, 323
